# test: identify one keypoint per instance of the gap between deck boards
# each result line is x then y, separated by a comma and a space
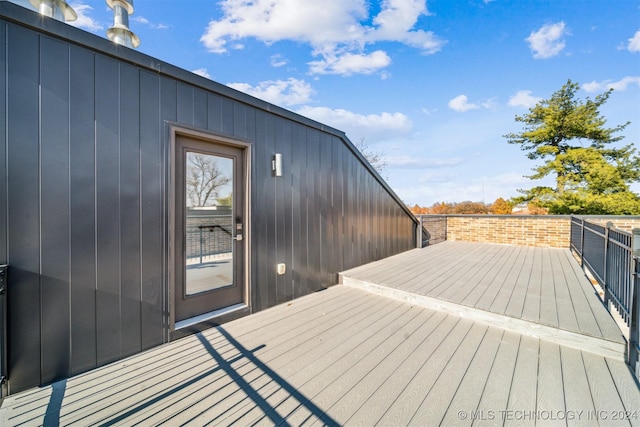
601, 347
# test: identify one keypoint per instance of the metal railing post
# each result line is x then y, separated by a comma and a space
3, 332
201, 241
419, 233
633, 350
581, 242
605, 285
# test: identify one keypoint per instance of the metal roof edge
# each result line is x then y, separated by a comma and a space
22, 16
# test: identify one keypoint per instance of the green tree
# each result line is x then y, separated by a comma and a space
571, 137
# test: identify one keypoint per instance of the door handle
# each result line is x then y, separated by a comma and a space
238, 238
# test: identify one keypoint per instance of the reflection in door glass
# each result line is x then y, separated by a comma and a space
209, 222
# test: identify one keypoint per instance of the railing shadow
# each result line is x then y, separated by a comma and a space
269, 412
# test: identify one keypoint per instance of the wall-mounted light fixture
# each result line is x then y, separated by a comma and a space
276, 164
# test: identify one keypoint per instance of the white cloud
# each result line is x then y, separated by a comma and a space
202, 72
421, 163
145, 21
84, 20
461, 104
278, 60
634, 42
547, 41
371, 127
523, 98
350, 63
280, 92
338, 31
620, 85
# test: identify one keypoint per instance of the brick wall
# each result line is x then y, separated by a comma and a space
528, 230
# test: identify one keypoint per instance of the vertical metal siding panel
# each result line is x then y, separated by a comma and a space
259, 196
83, 225
108, 307
214, 112
299, 211
314, 207
337, 149
23, 208
326, 227
239, 120
184, 99
200, 108
130, 245
54, 199
281, 189
152, 172
271, 207
226, 116
3, 146
285, 215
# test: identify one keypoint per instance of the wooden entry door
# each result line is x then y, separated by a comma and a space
209, 227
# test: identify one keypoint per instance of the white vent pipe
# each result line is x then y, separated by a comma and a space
56, 9
120, 32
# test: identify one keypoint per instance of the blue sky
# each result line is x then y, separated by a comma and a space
432, 84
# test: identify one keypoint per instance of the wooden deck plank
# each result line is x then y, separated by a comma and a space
282, 354
576, 285
606, 324
455, 276
494, 397
523, 392
567, 316
550, 399
466, 398
484, 292
313, 383
577, 395
498, 291
425, 271
196, 360
628, 390
408, 402
387, 394
605, 396
360, 392
548, 301
346, 356
468, 290
437, 400
515, 303
331, 391
531, 306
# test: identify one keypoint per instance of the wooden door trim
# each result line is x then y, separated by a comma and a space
176, 130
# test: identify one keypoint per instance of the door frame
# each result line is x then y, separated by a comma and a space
224, 314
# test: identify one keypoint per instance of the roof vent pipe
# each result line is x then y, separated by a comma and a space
120, 32
56, 9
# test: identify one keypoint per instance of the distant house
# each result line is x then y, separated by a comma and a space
105, 258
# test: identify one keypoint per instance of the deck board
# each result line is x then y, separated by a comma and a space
346, 356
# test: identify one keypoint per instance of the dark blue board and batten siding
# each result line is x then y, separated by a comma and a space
83, 186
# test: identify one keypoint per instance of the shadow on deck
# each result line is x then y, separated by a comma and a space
348, 356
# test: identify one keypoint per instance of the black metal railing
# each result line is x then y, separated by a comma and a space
432, 229
207, 236
3, 332
612, 257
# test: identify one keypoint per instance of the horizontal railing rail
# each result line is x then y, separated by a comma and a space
611, 256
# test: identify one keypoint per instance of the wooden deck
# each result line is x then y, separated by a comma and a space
346, 356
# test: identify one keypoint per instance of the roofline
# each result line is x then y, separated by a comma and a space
25, 17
